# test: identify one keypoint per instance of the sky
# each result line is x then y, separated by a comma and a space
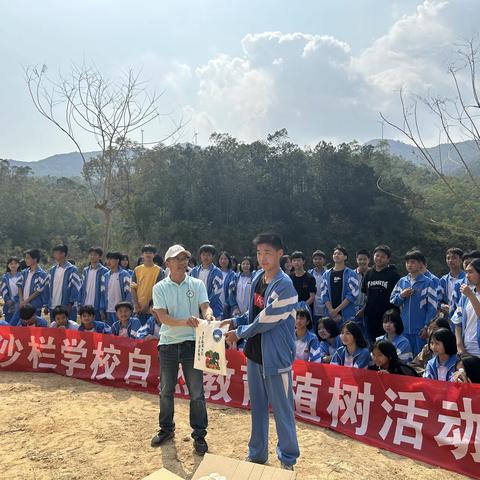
321, 69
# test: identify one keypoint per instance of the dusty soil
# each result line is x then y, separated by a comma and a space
52, 427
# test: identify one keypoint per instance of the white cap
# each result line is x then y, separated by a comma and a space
175, 250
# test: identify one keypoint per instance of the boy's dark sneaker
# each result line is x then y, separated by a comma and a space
161, 437
285, 466
200, 446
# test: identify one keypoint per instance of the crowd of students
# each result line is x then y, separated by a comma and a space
363, 317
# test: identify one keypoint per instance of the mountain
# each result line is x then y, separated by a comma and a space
61, 165
444, 155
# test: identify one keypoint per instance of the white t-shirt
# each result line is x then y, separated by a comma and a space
12, 282
470, 339
57, 286
91, 286
318, 307
348, 360
301, 350
203, 275
26, 287
442, 372
114, 294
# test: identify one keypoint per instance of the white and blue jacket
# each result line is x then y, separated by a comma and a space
460, 316
350, 290
5, 286
361, 357
214, 287
70, 287
228, 292
101, 271
98, 327
151, 327
39, 322
456, 295
431, 370
233, 288
276, 323
312, 346
402, 344
125, 290
133, 327
36, 285
327, 350
418, 309
444, 286
319, 308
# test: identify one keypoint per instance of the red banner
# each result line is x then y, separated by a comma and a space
435, 422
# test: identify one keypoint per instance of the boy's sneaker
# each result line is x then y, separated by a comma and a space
286, 467
161, 437
251, 460
200, 446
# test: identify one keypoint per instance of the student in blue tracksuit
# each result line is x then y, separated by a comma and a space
126, 324
125, 264
91, 289
340, 288
444, 348
62, 283
330, 340
27, 317
354, 352
269, 330
115, 287
307, 346
9, 283
241, 287
31, 285
88, 322
393, 326
416, 296
447, 282
151, 329
224, 263
59, 318
467, 258
319, 310
212, 277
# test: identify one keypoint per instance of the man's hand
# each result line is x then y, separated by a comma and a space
231, 337
209, 318
407, 292
192, 322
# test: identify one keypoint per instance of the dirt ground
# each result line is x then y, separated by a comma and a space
52, 427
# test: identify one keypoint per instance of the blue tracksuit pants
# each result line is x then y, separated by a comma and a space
277, 391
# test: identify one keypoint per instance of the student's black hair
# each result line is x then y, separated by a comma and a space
125, 257
192, 261
158, 259
114, 256
223, 252
283, 261
34, 253
363, 251
149, 248
441, 322
72, 261
475, 264
298, 254
22, 266
319, 253
341, 249
123, 304
383, 248
59, 310
139, 261
354, 329
471, 254
389, 350
12, 259
445, 336
417, 255
208, 249
454, 251
304, 312
393, 315
61, 247
234, 263
330, 326
86, 309
471, 365
250, 261
26, 311
269, 238
97, 250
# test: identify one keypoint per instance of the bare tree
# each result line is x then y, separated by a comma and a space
457, 117
109, 111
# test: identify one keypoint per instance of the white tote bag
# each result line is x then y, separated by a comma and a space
210, 348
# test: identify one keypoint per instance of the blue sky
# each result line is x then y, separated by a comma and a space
321, 69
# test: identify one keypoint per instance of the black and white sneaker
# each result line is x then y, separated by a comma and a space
161, 437
200, 446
